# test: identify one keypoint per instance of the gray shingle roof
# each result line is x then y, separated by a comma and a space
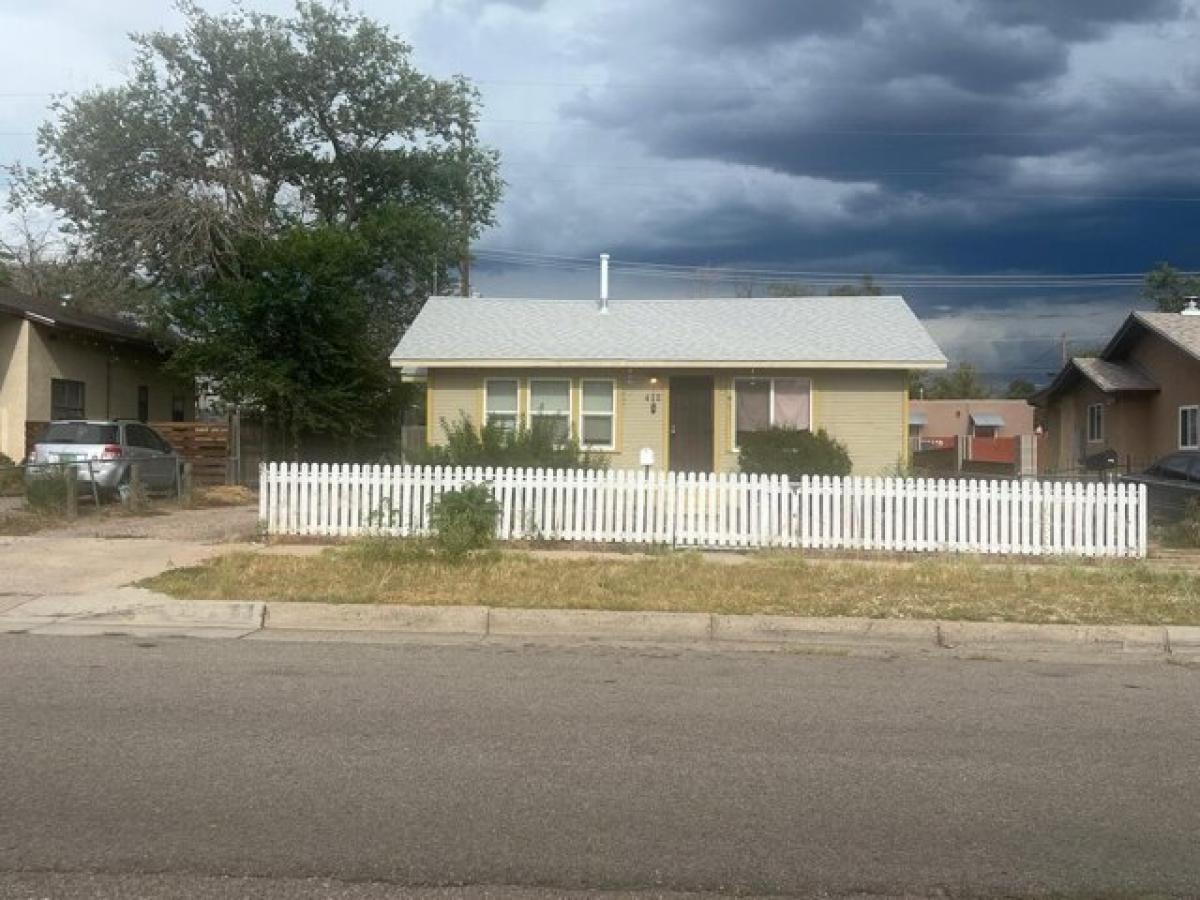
799, 330
1113, 376
1181, 330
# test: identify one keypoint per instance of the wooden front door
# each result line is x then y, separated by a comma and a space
691, 424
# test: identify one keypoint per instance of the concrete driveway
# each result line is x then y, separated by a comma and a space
56, 581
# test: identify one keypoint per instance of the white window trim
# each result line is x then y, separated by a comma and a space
516, 413
770, 403
533, 413
1195, 410
1099, 439
600, 448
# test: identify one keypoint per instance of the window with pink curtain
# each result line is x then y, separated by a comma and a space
791, 403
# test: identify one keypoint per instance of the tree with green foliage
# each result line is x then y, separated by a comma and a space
1168, 289
247, 124
864, 287
962, 382
1020, 389
289, 189
303, 327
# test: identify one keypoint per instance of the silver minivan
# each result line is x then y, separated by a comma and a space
104, 451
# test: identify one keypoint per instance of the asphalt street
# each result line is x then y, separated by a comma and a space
242, 768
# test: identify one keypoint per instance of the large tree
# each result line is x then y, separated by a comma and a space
245, 125
302, 328
1168, 289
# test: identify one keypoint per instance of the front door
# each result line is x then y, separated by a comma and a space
691, 423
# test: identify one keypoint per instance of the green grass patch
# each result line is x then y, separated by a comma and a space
407, 572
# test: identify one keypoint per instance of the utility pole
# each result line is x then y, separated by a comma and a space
1065, 358
464, 265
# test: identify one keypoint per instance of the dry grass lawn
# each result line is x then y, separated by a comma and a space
784, 584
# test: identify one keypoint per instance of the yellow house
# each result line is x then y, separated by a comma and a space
59, 363
673, 383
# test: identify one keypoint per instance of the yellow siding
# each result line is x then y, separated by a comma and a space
863, 409
14, 382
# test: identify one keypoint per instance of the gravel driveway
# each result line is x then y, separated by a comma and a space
205, 526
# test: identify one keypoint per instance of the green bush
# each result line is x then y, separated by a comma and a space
492, 445
1186, 531
788, 451
46, 493
10, 477
464, 520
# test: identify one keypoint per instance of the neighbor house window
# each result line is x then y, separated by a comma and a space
66, 399
1189, 427
178, 408
143, 403
597, 419
1095, 423
550, 406
761, 403
500, 402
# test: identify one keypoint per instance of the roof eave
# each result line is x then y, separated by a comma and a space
408, 362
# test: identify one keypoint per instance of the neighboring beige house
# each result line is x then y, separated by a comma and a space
675, 381
1137, 401
929, 420
59, 363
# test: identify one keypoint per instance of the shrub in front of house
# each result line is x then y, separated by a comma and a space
463, 520
46, 493
1186, 531
493, 445
10, 478
792, 452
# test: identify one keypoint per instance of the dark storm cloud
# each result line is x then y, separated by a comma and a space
1078, 19
766, 21
964, 116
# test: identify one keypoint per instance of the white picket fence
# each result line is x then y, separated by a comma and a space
818, 512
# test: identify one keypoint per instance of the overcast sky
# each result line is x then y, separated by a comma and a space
896, 137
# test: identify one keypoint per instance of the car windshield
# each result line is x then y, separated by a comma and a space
78, 433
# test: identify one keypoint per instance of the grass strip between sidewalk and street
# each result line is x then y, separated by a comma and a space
398, 572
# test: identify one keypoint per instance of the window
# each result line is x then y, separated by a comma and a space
79, 433
66, 399
143, 403
141, 436
500, 402
761, 403
597, 417
550, 406
1189, 427
178, 408
1095, 423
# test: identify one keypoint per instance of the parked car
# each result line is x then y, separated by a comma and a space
1171, 483
104, 453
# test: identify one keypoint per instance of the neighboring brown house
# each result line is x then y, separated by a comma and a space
1139, 400
59, 363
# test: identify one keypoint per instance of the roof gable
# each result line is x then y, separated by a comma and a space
816, 331
1175, 328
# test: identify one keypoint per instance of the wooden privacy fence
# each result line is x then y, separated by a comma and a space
204, 444
749, 511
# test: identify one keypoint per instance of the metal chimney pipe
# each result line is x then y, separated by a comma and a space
603, 282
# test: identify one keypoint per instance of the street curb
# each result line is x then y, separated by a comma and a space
715, 628
377, 617
638, 626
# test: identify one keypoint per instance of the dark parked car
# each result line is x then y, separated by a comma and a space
1171, 484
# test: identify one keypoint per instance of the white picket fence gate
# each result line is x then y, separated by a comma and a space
750, 511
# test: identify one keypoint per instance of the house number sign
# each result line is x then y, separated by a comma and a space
654, 398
